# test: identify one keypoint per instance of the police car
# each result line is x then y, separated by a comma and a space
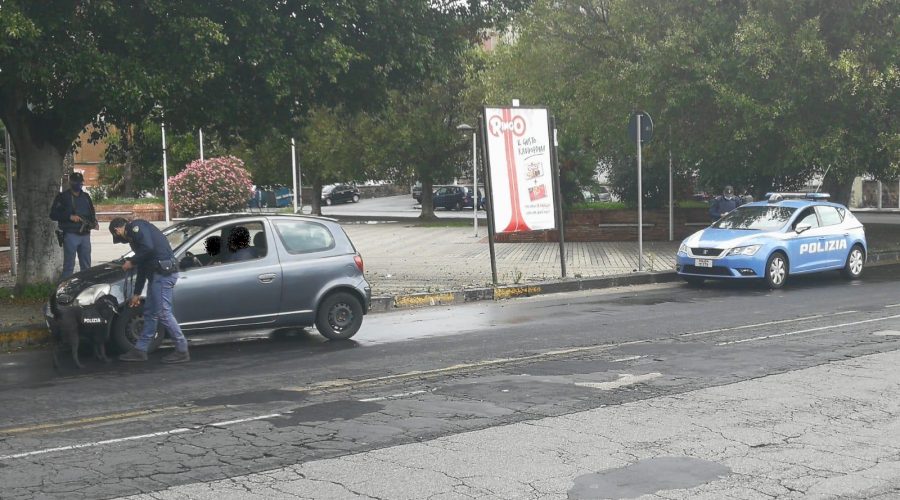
789, 233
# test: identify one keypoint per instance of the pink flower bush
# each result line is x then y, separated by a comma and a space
211, 186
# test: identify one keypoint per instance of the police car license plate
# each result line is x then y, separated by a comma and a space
703, 262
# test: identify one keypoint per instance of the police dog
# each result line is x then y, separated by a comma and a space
66, 331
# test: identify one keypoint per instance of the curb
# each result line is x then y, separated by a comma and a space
36, 334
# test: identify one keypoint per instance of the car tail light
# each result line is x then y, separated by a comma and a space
359, 263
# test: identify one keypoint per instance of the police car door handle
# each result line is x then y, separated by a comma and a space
266, 278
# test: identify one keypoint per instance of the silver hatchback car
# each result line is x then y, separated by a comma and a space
299, 271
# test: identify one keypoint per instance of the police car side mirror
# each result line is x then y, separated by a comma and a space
802, 228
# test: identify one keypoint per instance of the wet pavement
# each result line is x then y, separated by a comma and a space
665, 390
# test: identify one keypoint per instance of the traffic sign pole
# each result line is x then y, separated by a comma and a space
640, 199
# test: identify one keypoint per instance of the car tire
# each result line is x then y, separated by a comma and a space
856, 261
127, 326
457, 206
694, 281
355, 198
339, 316
328, 201
776, 270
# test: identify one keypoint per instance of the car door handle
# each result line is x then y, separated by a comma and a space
266, 278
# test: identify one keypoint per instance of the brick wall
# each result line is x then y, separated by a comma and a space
149, 211
4, 261
617, 225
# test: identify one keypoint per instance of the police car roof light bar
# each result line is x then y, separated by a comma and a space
776, 197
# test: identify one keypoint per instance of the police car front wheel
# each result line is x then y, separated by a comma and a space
855, 262
776, 270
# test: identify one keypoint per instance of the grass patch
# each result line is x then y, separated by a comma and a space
31, 294
130, 201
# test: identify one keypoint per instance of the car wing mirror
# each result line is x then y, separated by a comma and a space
801, 228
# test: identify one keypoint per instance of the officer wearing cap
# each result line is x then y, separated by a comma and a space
723, 204
74, 211
156, 265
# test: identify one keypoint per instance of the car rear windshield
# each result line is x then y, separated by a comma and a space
756, 218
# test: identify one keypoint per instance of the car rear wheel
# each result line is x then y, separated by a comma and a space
856, 260
339, 316
776, 270
127, 327
457, 205
355, 198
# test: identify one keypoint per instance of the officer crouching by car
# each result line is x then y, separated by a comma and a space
156, 265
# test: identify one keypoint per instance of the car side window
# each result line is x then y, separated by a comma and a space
808, 216
227, 245
304, 236
829, 215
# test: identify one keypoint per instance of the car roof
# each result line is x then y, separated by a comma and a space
794, 204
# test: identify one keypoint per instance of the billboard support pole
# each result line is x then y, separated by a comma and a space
482, 128
557, 191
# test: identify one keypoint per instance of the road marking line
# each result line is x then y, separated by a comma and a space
767, 323
893, 305
624, 380
886, 333
180, 430
94, 420
347, 383
764, 337
249, 419
394, 396
629, 358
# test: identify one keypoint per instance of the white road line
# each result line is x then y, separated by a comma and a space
393, 396
95, 444
767, 323
624, 379
180, 430
893, 305
764, 337
249, 419
629, 358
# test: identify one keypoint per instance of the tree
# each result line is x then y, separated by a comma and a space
229, 66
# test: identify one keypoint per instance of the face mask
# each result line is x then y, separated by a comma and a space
76, 186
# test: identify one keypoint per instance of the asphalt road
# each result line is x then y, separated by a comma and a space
478, 387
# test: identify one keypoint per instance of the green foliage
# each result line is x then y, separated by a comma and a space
597, 205
763, 94
211, 186
27, 294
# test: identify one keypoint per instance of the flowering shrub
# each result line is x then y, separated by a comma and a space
211, 186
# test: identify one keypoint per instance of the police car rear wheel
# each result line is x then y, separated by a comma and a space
127, 329
855, 262
776, 271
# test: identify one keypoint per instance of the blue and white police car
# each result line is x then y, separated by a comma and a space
789, 233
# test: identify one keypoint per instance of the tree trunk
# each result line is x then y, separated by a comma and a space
427, 199
38, 171
839, 189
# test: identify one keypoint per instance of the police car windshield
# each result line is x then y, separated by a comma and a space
756, 218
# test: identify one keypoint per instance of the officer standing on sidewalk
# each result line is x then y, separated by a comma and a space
74, 211
155, 263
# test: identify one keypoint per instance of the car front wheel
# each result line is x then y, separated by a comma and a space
127, 328
355, 198
855, 261
328, 201
776, 270
339, 316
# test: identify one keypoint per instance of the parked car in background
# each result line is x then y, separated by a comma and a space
417, 192
303, 271
339, 193
457, 198
597, 194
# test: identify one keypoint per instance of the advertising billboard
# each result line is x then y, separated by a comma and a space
519, 163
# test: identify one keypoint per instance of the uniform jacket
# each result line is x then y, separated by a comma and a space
150, 246
66, 204
722, 205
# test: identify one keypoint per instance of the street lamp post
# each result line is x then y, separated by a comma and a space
475, 197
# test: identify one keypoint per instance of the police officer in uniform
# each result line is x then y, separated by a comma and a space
156, 265
74, 211
723, 204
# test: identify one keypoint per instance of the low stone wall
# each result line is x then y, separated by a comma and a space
5, 264
617, 225
149, 211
